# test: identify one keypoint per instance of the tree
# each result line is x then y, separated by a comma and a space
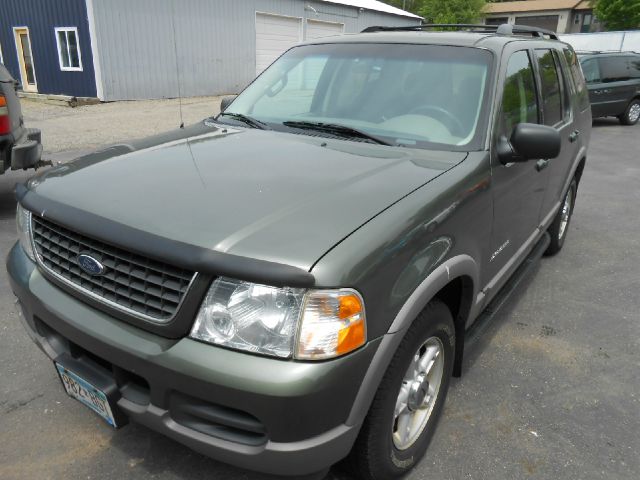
618, 14
443, 11
452, 11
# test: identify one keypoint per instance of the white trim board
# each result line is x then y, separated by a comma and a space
93, 39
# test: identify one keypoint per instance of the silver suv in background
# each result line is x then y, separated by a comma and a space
20, 147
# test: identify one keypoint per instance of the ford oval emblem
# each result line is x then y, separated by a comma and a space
90, 265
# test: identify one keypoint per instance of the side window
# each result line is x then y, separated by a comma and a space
614, 69
591, 70
578, 79
550, 86
68, 50
634, 66
566, 89
519, 102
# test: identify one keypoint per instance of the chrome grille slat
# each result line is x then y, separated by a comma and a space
63, 263
132, 283
121, 254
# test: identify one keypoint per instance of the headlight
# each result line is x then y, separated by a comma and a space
23, 222
281, 322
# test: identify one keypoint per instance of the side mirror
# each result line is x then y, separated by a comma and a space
226, 101
529, 141
17, 85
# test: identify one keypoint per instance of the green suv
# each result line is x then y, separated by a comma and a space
613, 80
291, 282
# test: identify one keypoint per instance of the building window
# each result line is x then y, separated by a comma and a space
68, 49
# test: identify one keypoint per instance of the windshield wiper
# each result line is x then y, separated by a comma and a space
247, 120
336, 129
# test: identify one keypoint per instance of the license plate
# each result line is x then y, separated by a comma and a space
87, 394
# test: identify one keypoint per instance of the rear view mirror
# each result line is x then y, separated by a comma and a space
529, 141
226, 101
17, 86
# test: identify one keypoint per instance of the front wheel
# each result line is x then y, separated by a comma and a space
560, 226
631, 114
410, 399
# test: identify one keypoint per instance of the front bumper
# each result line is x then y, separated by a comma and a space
295, 413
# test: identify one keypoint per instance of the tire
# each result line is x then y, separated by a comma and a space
632, 114
560, 226
375, 455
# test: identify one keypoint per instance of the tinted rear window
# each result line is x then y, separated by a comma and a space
614, 69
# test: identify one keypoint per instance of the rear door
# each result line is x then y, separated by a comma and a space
617, 87
556, 90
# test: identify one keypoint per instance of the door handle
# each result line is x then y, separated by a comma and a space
542, 164
573, 136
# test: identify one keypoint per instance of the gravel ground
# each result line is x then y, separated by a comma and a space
66, 129
551, 391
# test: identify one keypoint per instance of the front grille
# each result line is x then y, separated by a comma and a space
132, 283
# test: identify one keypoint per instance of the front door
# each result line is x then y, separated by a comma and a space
25, 60
518, 188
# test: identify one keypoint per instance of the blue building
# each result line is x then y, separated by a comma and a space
46, 45
141, 49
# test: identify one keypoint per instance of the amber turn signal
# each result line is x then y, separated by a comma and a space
332, 324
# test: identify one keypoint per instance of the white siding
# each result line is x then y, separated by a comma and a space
320, 29
604, 41
213, 50
275, 34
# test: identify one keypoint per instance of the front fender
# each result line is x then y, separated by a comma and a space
455, 267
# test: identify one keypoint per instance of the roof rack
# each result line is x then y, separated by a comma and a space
598, 52
504, 29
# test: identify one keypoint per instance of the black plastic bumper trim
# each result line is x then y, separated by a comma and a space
180, 254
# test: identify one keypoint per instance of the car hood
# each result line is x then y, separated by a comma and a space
266, 195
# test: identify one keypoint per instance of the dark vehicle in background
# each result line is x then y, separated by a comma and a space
20, 147
613, 80
292, 282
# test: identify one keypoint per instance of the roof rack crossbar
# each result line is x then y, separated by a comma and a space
504, 29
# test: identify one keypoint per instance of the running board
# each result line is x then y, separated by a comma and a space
482, 323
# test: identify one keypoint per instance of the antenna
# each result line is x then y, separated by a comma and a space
175, 53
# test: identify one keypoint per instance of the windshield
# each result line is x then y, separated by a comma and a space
420, 96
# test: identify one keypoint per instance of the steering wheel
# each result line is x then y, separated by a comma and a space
451, 122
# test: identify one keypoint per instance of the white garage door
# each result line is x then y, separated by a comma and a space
318, 29
274, 35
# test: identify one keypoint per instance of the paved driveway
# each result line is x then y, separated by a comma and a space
552, 391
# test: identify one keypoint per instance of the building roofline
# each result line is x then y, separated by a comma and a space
375, 6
